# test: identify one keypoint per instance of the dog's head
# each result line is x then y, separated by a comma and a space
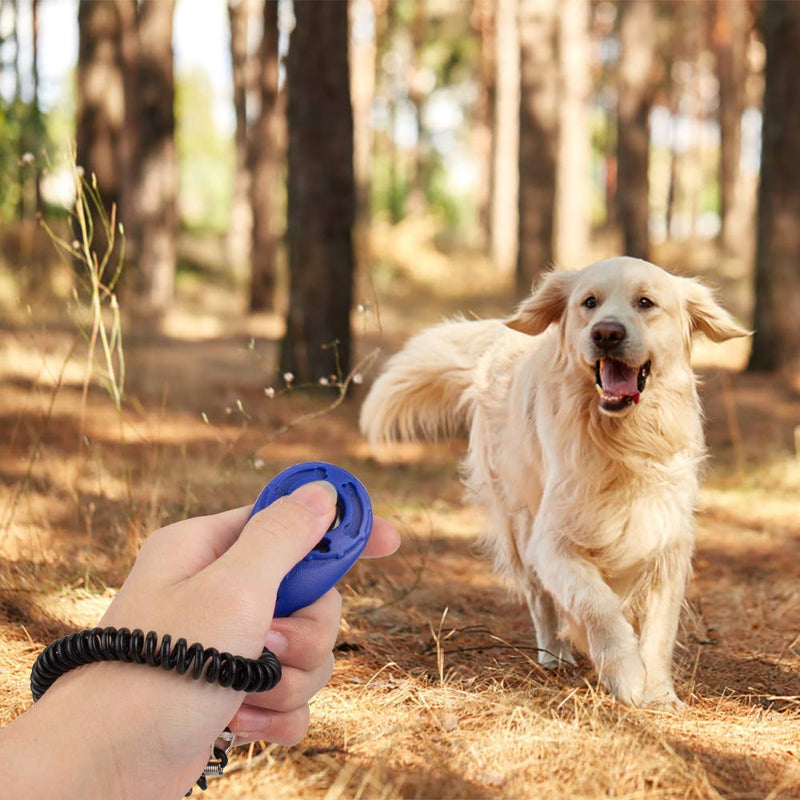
623, 322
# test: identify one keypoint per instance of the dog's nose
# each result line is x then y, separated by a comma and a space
608, 334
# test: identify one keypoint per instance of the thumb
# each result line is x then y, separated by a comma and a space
277, 538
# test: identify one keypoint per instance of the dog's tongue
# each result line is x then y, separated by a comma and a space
618, 378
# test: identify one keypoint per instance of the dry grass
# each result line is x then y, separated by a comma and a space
436, 692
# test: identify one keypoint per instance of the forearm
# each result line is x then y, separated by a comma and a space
99, 732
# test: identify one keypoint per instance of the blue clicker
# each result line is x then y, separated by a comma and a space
338, 550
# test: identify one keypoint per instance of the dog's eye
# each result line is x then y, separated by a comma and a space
645, 302
590, 302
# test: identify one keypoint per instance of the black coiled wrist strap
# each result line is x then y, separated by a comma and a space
109, 644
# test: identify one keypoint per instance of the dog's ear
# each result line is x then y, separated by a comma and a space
545, 305
707, 316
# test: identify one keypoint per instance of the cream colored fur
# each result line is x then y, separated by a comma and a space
590, 511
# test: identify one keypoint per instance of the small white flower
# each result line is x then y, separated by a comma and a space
288, 377
258, 463
324, 382
269, 392
358, 378
27, 158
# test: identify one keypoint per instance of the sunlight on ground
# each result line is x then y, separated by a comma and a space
436, 692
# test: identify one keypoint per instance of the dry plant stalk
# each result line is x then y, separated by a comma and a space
99, 281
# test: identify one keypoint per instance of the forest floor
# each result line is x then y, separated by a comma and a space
436, 692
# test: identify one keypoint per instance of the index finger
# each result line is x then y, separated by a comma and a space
383, 540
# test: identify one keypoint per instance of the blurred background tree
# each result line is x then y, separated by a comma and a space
776, 345
510, 134
265, 151
321, 206
636, 90
538, 137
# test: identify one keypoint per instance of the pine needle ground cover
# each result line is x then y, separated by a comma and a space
436, 692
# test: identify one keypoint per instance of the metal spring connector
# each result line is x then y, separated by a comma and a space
219, 755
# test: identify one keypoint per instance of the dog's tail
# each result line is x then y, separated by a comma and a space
423, 388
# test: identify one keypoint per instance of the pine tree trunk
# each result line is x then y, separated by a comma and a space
15, 38
637, 36
729, 35
362, 87
241, 216
483, 21
421, 154
37, 113
129, 140
156, 185
100, 105
776, 345
538, 138
574, 157
265, 151
321, 194
505, 151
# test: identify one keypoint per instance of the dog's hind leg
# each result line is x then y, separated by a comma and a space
513, 531
552, 650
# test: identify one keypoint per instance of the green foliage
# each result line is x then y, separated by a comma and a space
9, 161
603, 130
205, 156
22, 139
389, 187
457, 211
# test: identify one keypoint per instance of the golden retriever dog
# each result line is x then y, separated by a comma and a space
585, 442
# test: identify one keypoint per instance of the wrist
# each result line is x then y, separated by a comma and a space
117, 730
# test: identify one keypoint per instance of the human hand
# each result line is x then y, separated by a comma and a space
214, 580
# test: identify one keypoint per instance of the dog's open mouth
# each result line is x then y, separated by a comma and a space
618, 383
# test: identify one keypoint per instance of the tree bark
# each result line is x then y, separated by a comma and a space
265, 150
36, 109
156, 185
241, 216
420, 156
483, 17
574, 142
637, 36
729, 36
538, 138
15, 38
321, 194
504, 224
776, 345
129, 140
100, 111
362, 87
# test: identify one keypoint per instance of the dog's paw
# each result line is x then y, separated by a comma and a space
625, 679
556, 657
662, 696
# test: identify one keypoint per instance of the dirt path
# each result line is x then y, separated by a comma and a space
436, 692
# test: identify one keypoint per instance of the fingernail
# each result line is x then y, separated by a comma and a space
318, 497
250, 721
277, 643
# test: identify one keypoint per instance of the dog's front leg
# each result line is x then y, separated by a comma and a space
658, 625
579, 589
